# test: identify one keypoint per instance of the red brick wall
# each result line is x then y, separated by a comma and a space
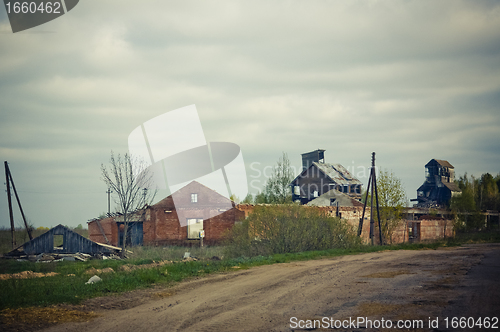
429, 230
110, 229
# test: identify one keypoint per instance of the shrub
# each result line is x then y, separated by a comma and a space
287, 229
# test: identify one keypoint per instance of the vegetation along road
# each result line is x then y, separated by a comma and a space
421, 290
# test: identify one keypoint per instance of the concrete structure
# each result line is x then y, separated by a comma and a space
318, 178
197, 208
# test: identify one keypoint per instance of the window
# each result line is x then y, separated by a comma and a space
58, 241
194, 228
333, 201
194, 198
296, 190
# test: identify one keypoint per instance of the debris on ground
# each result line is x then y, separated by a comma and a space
94, 271
130, 267
93, 280
43, 258
190, 259
58, 257
26, 275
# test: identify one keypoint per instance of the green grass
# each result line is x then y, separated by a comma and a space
72, 289
174, 253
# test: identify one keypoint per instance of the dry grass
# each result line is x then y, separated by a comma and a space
162, 295
41, 317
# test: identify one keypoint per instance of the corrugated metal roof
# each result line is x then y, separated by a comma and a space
452, 186
337, 173
443, 163
341, 198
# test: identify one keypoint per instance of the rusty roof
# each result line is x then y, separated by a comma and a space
452, 186
443, 163
341, 198
337, 173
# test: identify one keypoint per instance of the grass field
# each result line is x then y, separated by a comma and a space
69, 286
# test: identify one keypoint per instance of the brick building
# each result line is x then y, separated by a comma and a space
175, 220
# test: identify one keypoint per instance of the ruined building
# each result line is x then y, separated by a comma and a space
439, 185
196, 208
318, 177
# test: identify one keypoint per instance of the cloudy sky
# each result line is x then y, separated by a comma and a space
410, 80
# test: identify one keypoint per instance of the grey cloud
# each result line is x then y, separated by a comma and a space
409, 80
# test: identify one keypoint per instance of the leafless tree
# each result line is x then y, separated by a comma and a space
132, 183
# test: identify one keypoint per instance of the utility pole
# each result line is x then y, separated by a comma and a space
8, 176
109, 206
11, 215
372, 185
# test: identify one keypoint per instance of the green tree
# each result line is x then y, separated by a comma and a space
277, 189
477, 194
248, 199
488, 195
289, 228
261, 198
392, 202
234, 198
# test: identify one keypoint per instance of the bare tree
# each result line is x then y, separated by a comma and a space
132, 182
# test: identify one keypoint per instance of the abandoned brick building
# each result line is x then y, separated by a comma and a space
175, 220
318, 178
439, 185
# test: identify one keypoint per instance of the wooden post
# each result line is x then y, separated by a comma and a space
372, 185
11, 215
202, 235
20, 207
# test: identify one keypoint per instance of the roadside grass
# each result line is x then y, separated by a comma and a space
174, 253
18, 293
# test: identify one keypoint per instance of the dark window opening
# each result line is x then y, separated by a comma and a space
58, 242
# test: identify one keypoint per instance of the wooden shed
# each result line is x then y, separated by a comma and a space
72, 243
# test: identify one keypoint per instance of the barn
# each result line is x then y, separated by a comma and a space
175, 220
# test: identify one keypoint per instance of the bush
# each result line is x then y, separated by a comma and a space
287, 229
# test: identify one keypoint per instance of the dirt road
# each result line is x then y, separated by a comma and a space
405, 287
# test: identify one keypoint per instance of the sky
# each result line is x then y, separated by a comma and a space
409, 80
